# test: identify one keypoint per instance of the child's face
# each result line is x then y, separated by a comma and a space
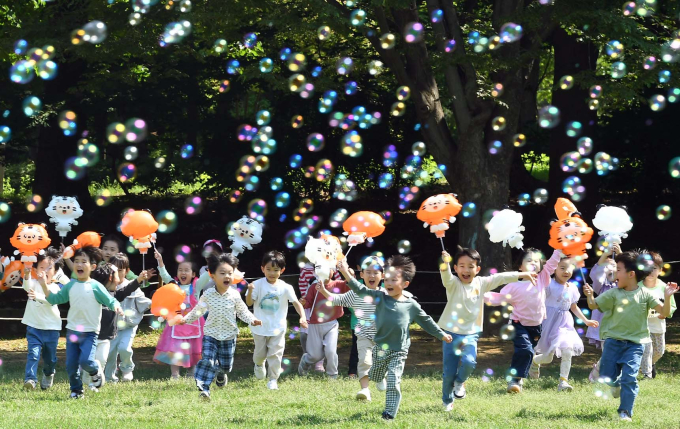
184, 273
83, 267
654, 274
394, 282
109, 248
624, 277
371, 277
531, 263
223, 276
466, 268
564, 271
272, 272
119, 275
46, 266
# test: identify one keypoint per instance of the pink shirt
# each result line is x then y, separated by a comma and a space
528, 301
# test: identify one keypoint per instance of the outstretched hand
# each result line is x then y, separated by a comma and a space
592, 323
532, 277
447, 338
587, 290
671, 288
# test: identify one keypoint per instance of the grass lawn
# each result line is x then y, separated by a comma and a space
152, 400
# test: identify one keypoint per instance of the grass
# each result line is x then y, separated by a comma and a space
155, 401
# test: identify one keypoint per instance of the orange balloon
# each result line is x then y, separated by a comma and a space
564, 208
138, 224
87, 238
166, 301
13, 273
29, 240
570, 233
369, 223
438, 211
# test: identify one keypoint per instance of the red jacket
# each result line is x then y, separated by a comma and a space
323, 311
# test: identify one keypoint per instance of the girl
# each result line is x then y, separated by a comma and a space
181, 345
224, 304
111, 245
559, 338
210, 248
528, 313
84, 317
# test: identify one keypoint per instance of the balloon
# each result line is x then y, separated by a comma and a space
13, 273
30, 240
166, 301
613, 223
237, 277
323, 253
438, 211
570, 233
363, 226
87, 238
336, 241
506, 227
245, 233
63, 212
141, 226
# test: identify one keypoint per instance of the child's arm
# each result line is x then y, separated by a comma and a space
548, 269
598, 276
301, 312
68, 262
60, 297
493, 281
426, 322
309, 298
201, 283
104, 297
128, 289
498, 298
346, 299
588, 292
197, 312
165, 275
249, 295
578, 313
354, 285
244, 314
448, 279
665, 309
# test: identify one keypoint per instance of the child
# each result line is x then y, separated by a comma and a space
528, 313
559, 338
107, 274
219, 342
134, 305
322, 337
210, 248
463, 317
181, 345
657, 323
624, 328
84, 317
43, 323
371, 273
603, 276
394, 313
269, 297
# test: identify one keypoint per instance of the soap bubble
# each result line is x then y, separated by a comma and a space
614, 49
20, 47
296, 82
160, 162
295, 161
390, 155
418, 149
629, 8
584, 145
323, 32
67, 122
282, 200
186, 151
385, 180
566, 82
524, 199
31, 105
657, 102
673, 95
315, 142
498, 123
263, 117
135, 130
193, 205
127, 172
130, 153
5, 133
645, 262
134, 18
175, 32
450, 46
324, 170
548, 116
250, 40
297, 62
185, 6
387, 41
674, 167
351, 88
663, 212
595, 91
572, 186
540, 196
497, 90
507, 332
115, 132
297, 121
233, 67
619, 70
344, 66
510, 32
167, 221
469, 209
649, 63
266, 65
375, 67
584, 166
47, 69
357, 17
574, 129
224, 86
413, 32
664, 76
351, 144
34, 203
403, 247
519, 140
436, 15
21, 72
95, 32
398, 109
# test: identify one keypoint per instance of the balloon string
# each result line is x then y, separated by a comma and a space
442, 241
350, 249
583, 276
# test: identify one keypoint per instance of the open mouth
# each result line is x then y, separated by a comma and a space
371, 282
227, 282
465, 276
63, 212
28, 241
390, 289
80, 272
183, 279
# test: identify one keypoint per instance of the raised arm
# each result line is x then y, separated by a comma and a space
249, 295
549, 269
448, 279
60, 297
665, 309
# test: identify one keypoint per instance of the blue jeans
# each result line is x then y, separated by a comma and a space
620, 363
460, 359
526, 338
45, 341
80, 351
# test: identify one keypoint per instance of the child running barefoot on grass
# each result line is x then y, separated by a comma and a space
528, 312
219, 342
463, 316
624, 328
85, 296
394, 313
559, 338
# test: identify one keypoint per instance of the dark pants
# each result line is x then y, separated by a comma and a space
353, 356
526, 338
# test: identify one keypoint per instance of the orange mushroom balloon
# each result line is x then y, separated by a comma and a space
363, 225
438, 211
141, 226
87, 238
30, 240
167, 300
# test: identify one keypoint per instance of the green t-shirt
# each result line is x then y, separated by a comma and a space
625, 314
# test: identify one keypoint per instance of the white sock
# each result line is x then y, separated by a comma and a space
565, 366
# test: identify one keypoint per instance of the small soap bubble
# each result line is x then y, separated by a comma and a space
5, 212
136, 130
266, 65
357, 17
388, 41
282, 199
495, 147
540, 196
167, 221
127, 172
315, 142
469, 209
20, 47
34, 203
619, 70
413, 32
323, 32
519, 140
95, 32
566, 82
130, 153
510, 32
295, 161
674, 167
31, 105
657, 102
498, 123
47, 69
21, 72
115, 132
497, 90
193, 205
250, 40
403, 247
663, 212
664, 76
548, 116
523, 199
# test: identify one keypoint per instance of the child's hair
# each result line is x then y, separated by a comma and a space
102, 273
115, 239
53, 254
656, 257
94, 254
120, 261
523, 254
629, 260
191, 265
405, 264
210, 242
470, 253
214, 261
276, 258
372, 262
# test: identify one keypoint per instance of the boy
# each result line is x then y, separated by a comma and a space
269, 297
463, 316
624, 328
394, 312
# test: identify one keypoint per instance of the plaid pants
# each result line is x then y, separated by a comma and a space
392, 363
216, 354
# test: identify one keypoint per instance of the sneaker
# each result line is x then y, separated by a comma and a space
646, 377
76, 395
47, 381
594, 374
319, 366
381, 385
97, 380
653, 370
514, 387
272, 385
352, 376
204, 395
302, 369
260, 372
127, 376
563, 386
387, 416
29, 384
448, 407
535, 371
459, 390
616, 391
221, 379
364, 394
624, 417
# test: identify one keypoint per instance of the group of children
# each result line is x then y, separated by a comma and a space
204, 339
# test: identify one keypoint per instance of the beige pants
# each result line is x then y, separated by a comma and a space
271, 350
365, 349
652, 353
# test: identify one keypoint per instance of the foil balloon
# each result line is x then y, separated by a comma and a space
362, 226
570, 233
12, 275
30, 240
438, 211
87, 238
167, 301
63, 212
323, 254
244, 233
506, 227
141, 226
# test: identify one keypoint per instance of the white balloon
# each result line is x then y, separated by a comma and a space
324, 255
63, 212
506, 227
245, 233
613, 223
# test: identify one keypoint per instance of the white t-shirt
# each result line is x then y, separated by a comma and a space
270, 305
39, 313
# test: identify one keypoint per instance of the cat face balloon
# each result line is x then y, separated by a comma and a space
244, 233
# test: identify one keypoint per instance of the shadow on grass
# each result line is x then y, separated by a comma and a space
594, 416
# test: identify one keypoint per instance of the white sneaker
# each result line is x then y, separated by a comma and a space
364, 394
97, 380
127, 376
616, 391
624, 417
459, 390
29, 384
381, 385
448, 407
563, 386
260, 372
514, 387
47, 381
272, 385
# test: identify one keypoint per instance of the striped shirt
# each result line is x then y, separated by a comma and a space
364, 309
